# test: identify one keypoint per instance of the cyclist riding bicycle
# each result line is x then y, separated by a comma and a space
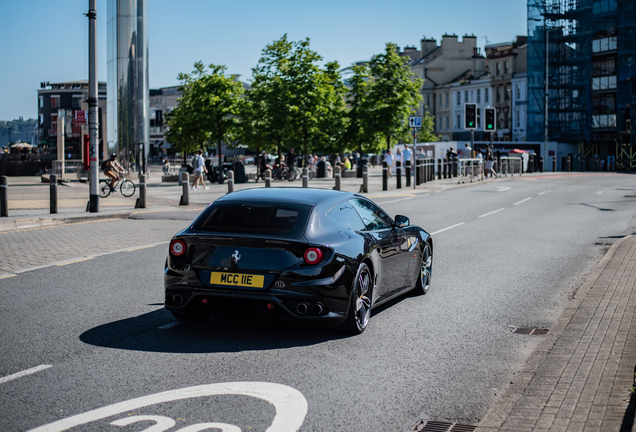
112, 169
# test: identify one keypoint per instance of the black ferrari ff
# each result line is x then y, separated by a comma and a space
307, 254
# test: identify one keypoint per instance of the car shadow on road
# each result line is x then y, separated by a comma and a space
158, 331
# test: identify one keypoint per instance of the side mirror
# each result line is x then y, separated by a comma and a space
402, 221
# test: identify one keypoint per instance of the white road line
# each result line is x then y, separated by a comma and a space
401, 199
24, 373
599, 192
522, 201
544, 192
501, 188
447, 228
492, 212
169, 325
84, 258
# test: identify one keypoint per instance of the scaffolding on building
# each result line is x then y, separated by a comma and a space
579, 110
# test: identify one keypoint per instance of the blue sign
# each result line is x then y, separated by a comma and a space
415, 122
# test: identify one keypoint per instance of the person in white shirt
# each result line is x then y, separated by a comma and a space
199, 170
389, 159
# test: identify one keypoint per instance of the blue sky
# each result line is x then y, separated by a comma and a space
47, 40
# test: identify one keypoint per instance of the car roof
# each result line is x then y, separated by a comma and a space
307, 196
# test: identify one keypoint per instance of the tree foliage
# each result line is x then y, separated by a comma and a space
208, 109
393, 96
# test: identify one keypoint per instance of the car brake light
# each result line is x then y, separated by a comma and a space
177, 247
313, 255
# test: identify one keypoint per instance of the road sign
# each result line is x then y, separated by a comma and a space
415, 122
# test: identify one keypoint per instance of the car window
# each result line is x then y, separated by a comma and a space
372, 216
345, 214
254, 218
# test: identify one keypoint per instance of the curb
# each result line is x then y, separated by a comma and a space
503, 405
37, 222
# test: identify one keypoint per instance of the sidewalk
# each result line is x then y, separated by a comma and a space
29, 198
580, 377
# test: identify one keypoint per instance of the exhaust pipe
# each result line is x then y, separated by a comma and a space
302, 308
178, 299
317, 308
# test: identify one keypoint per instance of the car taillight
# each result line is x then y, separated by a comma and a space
177, 247
313, 255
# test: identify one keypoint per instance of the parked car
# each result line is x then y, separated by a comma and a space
312, 255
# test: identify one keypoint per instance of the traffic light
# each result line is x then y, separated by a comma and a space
491, 120
470, 116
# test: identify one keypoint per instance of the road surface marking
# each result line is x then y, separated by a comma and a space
492, 212
522, 201
401, 199
73, 261
167, 210
140, 247
24, 373
7, 276
58, 225
169, 325
501, 188
544, 192
599, 192
290, 406
447, 228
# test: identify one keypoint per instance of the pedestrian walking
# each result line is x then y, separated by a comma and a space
199, 169
389, 159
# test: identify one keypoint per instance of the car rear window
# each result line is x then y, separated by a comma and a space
254, 218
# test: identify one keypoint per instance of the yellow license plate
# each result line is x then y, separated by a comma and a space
237, 279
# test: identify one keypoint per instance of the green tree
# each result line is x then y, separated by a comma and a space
393, 96
208, 109
300, 102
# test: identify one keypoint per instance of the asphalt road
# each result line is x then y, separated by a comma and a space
507, 254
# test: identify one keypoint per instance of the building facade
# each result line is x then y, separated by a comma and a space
128, 88
68, 98
589, 47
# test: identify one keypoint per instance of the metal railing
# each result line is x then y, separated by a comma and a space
470, 169
71, 166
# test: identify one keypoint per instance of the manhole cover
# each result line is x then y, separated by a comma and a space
529, 331
440, 426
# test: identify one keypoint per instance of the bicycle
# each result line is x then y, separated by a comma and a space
126, 187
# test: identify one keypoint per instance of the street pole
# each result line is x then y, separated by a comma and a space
93, 155
414, 157
545, 108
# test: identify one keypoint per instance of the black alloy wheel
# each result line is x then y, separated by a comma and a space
360, 304
426, 267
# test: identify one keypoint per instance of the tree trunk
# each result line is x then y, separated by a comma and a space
218, 146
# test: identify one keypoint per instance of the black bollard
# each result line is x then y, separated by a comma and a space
336, 175
4, 202
417, 172
385, 177
407, 171
365, 179
305, 177
268, 178
185, 184
398, 174
230, 181
53, 190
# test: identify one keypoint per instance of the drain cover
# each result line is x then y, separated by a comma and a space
529, 331
440, 426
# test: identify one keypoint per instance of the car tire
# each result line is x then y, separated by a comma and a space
426, 267
360, 305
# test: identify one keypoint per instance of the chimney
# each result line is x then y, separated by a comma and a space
428, 45
479, 63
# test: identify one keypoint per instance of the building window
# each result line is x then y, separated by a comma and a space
518, 86
459, 98
603, 6
53, 124
498, 90
55, 101
77, 101
466, 96
439, 123
498, 68
604, 44
478, 117
478, 95
486, 92
517, 118
440, 101
458, 125
41, 122
41, 101
604, 83
447, 102
505, 67
507, 94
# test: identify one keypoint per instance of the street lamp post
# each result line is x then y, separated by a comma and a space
9, 135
